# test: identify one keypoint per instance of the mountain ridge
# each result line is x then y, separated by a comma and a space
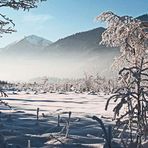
31, 44
86, 43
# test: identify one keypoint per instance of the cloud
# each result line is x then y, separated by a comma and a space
36, 18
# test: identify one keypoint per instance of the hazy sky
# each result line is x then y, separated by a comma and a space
56, 19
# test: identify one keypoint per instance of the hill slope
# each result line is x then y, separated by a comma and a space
83, 43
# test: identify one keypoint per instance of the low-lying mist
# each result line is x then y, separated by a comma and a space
25, 68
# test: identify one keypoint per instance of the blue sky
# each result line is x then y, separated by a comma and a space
56, 19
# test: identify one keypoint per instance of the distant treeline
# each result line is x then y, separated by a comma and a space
3, 82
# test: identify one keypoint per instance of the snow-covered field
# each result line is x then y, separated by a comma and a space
78, 104
19, 124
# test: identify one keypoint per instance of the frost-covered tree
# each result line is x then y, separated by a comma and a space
6, 24
131, 110
127, 33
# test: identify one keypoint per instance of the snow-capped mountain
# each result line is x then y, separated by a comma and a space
30, 45
37, 41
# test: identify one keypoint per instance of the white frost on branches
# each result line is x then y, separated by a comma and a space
19, 4
127, 33
6, 24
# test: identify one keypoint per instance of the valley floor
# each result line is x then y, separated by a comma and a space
19, 125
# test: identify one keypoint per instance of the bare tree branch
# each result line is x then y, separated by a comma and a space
6, 24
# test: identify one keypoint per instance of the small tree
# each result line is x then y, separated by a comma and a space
131, 36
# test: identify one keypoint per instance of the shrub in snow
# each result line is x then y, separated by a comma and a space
67, 123
132, 97
37, 114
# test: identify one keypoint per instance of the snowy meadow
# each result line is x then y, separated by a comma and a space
21, 127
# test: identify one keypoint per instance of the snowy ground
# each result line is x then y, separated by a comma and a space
19, 124
78, 104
